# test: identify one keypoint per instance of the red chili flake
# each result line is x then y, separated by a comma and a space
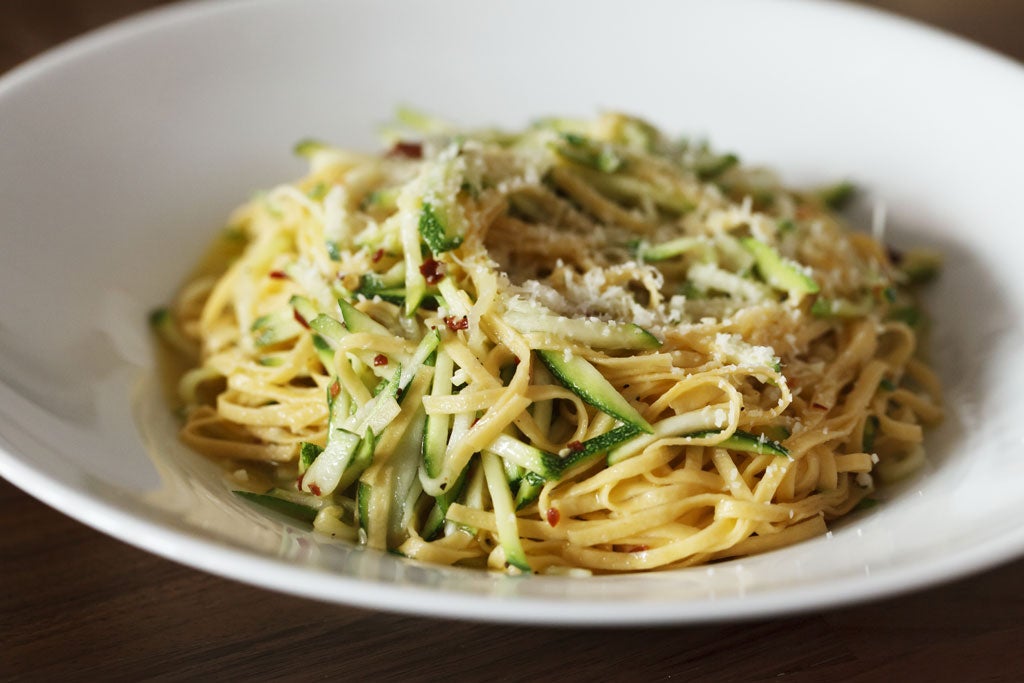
380, 359
377, 255
335, 389
432, 271
574, 446
314, 489
300, 319
819, 406
279, 275
553, 515
298, 482
409, 150
456, 323
635, 548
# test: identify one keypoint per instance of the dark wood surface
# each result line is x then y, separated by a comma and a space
78, 605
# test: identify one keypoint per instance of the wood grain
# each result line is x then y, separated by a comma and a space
78, 605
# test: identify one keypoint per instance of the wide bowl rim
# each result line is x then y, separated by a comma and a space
253, 568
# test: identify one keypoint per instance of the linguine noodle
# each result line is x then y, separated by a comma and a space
583, 345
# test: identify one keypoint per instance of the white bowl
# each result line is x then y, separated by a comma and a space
123, 152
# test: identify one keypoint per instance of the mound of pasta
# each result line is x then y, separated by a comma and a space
583, 345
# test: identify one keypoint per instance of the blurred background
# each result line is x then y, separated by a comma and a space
29, 26
999, 24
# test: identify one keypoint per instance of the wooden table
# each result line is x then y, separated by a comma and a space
75, 604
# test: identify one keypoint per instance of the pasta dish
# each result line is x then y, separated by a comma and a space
583, 345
